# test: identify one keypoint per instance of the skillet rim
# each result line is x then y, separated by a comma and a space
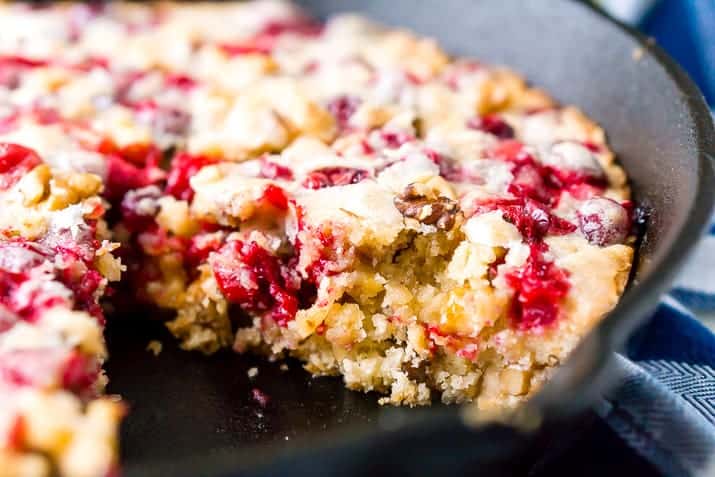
610, 333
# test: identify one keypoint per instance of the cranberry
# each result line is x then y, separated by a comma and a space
447, 167
334, 176
139, 207
15, 436
297, 25
529, 182
533, 219
539, 287
492, 124
183, 167
545, 182
272, 170
31, 367
80, 373
15, 161
275, 196
180, 81
342, 108
200, 247
256, 46
258, 281
13, 67
265, 40
90, 63
604, 221
83, 283
124, 175
395, 139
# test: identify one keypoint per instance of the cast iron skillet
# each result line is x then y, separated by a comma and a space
195, 415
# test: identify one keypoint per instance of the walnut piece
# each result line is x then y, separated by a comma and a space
439, 211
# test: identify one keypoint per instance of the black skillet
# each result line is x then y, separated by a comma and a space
195, 415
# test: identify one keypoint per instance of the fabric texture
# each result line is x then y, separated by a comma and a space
663, 402
663, 405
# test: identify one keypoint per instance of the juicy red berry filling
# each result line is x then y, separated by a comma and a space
342, 108
256, 280
542, 183
12, 68
130, 167
334, 176
271, 170
15, 161
492, 124
604, 221
183, 167
265, 40
18, 259
539, 287
180, 81
80, 373
139, 208
275, 196
395, 139
533, 219
447, 167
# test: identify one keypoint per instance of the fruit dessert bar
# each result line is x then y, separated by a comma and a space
426, 227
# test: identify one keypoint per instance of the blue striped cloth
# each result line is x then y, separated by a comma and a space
663, 405
663, 402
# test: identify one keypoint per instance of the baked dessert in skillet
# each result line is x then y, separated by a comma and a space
427, 227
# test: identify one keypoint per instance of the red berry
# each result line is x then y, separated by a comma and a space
604, 221
342, 108
334, 176
492, 124
276, 196
183, 167
15, 161
539, 287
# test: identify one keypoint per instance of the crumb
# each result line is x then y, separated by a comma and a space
252, 372
283, 367
637, 53
260, 397
155, 347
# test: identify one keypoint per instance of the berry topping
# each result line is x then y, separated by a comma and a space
546, 182
492, 124
272, 170
276, 196
539, 287
603, 221
532, 218
15, 161
256, 280
342, 108
334, 176
183, 168
571, 161
265, 40
139, 207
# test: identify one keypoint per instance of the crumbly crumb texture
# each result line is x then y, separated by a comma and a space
427, 227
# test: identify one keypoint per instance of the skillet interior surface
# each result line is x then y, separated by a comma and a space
196, 415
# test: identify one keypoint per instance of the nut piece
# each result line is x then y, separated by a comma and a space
438, 211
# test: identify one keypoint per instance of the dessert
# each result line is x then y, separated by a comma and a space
427, 227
